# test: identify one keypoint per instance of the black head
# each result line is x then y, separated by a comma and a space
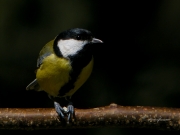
70, 42
76, 33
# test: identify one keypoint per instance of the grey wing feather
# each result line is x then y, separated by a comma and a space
33, 86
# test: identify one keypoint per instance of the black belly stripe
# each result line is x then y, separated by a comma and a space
78, 62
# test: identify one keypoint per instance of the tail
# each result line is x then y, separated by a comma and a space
33, 86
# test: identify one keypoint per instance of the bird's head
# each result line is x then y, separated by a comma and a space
70, 42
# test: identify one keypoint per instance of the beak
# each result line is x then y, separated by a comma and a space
95, 40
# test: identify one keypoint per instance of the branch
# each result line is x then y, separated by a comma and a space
108, 116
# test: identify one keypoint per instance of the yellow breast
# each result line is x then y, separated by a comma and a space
53, 74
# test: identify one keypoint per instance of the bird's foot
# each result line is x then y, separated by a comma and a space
69, 111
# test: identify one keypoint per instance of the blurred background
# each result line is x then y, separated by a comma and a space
138, 64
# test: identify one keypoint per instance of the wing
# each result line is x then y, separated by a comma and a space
46, 51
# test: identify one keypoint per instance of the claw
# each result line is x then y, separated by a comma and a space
70, 111
61, 111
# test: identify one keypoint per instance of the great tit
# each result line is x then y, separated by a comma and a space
63, 65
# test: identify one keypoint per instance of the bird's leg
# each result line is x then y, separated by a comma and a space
60, 111
70, 111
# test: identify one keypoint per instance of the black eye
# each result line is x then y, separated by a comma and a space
78, 37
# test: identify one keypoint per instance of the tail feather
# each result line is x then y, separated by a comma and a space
33, 86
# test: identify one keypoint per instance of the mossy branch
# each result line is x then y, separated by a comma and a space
109, 116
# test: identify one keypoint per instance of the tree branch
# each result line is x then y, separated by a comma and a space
108, 116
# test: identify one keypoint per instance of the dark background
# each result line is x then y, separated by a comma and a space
138, 64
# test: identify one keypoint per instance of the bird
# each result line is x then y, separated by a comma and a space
64, 65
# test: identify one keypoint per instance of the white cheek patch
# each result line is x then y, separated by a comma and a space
70, 46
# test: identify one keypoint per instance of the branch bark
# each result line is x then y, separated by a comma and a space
109, 116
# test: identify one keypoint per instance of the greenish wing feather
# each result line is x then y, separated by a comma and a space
46, 51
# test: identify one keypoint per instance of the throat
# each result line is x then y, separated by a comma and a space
81, 59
